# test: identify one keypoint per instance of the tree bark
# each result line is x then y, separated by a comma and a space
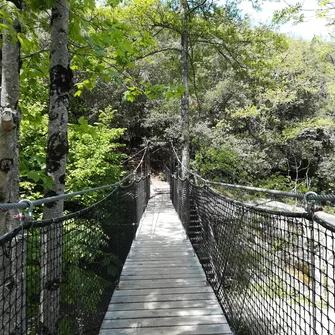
15, 296
9, 125
185, 136
57, 148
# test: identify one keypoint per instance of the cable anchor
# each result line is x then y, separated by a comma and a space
25, 217
311, 205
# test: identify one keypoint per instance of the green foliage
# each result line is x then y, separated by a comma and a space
92, 160
281, 182
34, 127
293, 131
296, 12
220, 165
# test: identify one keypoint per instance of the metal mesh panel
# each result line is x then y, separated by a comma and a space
57, 276
273, 272
12, 284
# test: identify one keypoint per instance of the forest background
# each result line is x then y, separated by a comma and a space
254, 106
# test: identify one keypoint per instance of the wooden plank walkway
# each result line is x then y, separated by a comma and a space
163, 289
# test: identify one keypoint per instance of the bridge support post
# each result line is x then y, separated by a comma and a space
185, 211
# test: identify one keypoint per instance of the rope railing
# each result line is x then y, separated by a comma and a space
272, 271
57, 275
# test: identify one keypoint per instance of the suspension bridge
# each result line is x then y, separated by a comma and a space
181, 258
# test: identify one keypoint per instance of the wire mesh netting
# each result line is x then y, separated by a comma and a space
272, 271
57, 276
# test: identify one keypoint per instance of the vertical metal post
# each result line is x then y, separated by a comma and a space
309, 209
147, 174
312, 274
186, 207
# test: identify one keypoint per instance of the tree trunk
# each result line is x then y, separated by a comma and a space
9, 125
57, 148
15, 297
185, 141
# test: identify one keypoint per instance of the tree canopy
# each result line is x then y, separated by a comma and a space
260, 104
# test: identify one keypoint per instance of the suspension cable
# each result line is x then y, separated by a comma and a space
131, 157
142, 159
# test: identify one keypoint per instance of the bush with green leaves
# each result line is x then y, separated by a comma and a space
221, 165
93, 159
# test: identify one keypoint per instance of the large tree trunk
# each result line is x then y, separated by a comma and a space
57, 147
185, 97
9, 125
185, 135
14, 318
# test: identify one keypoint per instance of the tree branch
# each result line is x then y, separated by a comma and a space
193, 9
228, 58
194, 79
158, 51
35, 53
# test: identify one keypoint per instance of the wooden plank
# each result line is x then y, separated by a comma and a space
163, 240
166, 312
124, 299
163, 260
162, 247
162, 305
162, 250
190, 263
138, 254
166, 254
217, 329
161, 271
152, 292
164, 322
149, 276
160, 283
172, 225
152, 243
159, 268
134, 269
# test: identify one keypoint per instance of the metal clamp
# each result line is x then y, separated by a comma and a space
311, 206
31, 206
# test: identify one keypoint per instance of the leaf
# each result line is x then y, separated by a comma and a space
78, 93
47, 182
83, 121
34, 175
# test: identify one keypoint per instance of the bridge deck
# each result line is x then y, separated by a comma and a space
163, 288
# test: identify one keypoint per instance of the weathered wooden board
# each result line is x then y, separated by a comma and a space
163, 312
154, 305
140, 254
164, 322
162, 271
163, 289
218, 329
149, 276
124, 299
169, 290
